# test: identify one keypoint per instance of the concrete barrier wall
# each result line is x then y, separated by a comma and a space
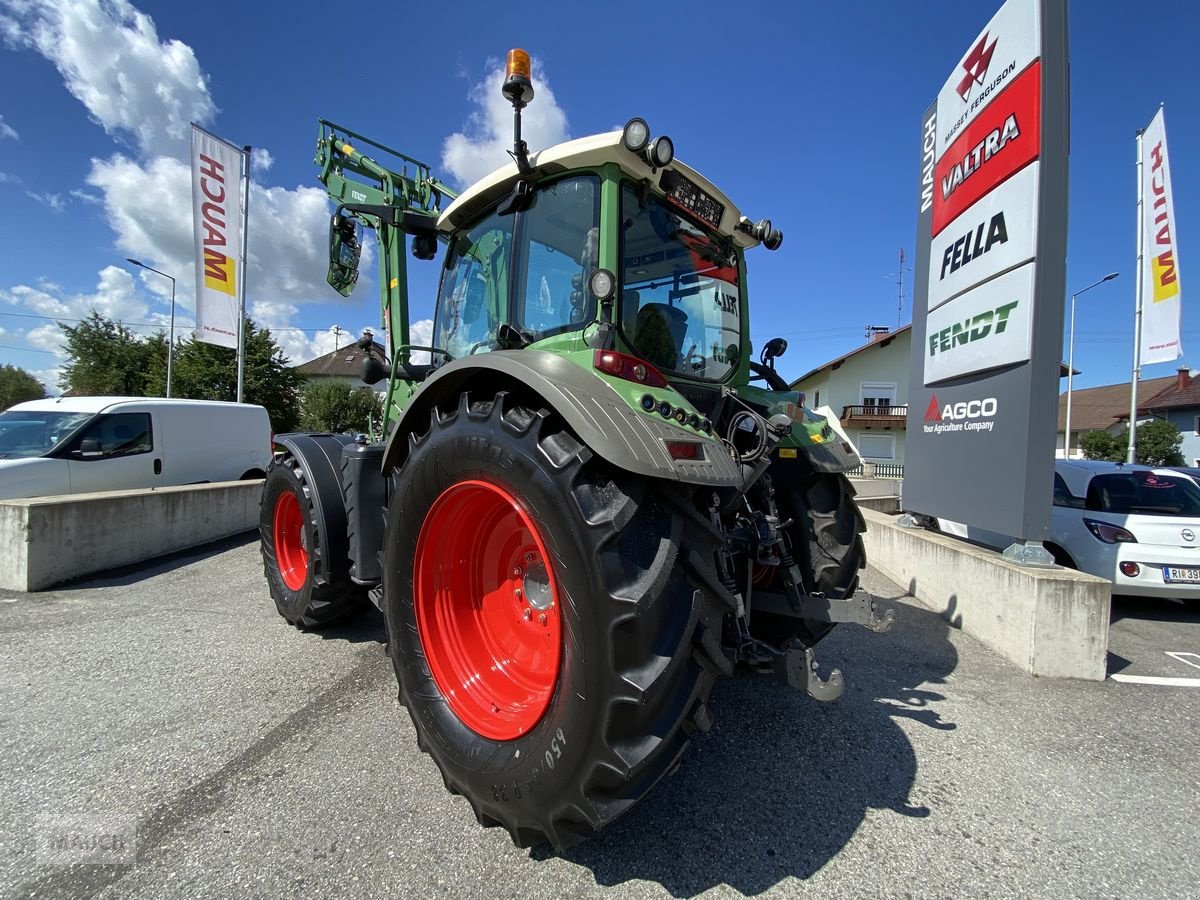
45, 540
1051, 622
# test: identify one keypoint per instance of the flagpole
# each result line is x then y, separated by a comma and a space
241, 349
1130, 455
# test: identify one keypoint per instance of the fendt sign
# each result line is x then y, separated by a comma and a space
987, 310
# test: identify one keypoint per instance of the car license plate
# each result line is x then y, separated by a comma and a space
1172, 575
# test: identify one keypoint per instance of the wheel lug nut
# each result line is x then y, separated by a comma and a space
528, 613
542, 619
516, 572
516, 592
528, 557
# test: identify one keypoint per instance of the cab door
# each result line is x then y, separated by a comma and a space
114, 452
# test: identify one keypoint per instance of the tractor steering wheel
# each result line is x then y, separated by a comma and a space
773, 379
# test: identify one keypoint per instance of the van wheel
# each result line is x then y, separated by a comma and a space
291, 550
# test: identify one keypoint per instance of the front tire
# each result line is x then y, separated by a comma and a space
292, 548
550, 728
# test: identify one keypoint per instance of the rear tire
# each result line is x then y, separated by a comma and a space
826, 538
637, 647
292, 551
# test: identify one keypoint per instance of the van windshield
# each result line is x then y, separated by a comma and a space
35, 433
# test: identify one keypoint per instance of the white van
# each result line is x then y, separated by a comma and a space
76, 445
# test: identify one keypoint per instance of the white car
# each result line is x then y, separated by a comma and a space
76, 445
1138, 526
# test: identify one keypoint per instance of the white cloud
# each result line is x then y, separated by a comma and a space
7, 131
483, 145
49, 379
112, 60
54, 201
9, 178
260, 160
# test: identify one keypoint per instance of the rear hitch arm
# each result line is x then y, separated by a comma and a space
859, 608
798, 667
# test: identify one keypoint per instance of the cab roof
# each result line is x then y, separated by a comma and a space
587, 152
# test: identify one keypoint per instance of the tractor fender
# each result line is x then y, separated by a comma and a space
320, 458
624, 437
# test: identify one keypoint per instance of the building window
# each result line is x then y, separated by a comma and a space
817, 402
1197, 425
878, 393
877, 446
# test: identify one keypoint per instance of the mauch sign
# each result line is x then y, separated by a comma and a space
989, 279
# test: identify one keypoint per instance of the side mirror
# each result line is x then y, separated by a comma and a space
775, 347
89, 447
344, 251
373, 371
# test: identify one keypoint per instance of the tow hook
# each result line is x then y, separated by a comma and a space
797, 666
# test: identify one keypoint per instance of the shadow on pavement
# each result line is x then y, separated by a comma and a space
1154, 609
782, 782
148, 568
362, 626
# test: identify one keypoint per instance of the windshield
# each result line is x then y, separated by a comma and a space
680, 296
1144, 493
34, 433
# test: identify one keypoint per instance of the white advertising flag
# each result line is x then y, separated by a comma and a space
1160, 251
217, 222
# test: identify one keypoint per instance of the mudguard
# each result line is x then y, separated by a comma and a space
627, 438
320, 458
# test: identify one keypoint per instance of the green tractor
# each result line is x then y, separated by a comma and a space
585, 501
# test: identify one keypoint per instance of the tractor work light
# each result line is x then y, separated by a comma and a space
661, 152
636, 134
603, 284
768, 235
622, 365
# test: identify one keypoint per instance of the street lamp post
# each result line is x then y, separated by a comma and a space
1071, 361
171, 342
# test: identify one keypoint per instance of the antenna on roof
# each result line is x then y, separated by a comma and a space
899, 276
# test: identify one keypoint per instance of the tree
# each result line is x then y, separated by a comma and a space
330, 405
1102, 445
208, 372
104, 358
17, 386
1157, 443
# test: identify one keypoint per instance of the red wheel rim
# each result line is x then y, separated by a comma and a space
487, 609
291, 552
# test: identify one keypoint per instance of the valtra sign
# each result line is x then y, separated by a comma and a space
989, 277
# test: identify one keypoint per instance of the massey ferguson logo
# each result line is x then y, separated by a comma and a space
966, 415
976, 65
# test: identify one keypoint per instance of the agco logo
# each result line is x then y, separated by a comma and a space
966, 415
976, 65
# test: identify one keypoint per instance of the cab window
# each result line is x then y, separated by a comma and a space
559, 236
473, 295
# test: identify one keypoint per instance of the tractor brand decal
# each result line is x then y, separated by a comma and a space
1000, 141
219, 274
973, 245
976, 65
984, 328
965, 415
1000, 52
996, 234
972, 328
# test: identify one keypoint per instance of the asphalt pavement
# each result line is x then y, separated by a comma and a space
218, 752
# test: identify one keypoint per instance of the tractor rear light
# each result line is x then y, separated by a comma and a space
1109, 533
1130, 569
685, 449
622, 365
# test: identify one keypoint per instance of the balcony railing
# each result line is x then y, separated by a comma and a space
883, 416
882, 470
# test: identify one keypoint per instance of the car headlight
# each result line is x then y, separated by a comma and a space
1109, 533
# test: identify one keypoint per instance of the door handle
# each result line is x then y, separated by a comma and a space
158, 467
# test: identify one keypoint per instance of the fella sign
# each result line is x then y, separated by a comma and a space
989, 274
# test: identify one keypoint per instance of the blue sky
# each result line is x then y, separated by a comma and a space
807, 114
